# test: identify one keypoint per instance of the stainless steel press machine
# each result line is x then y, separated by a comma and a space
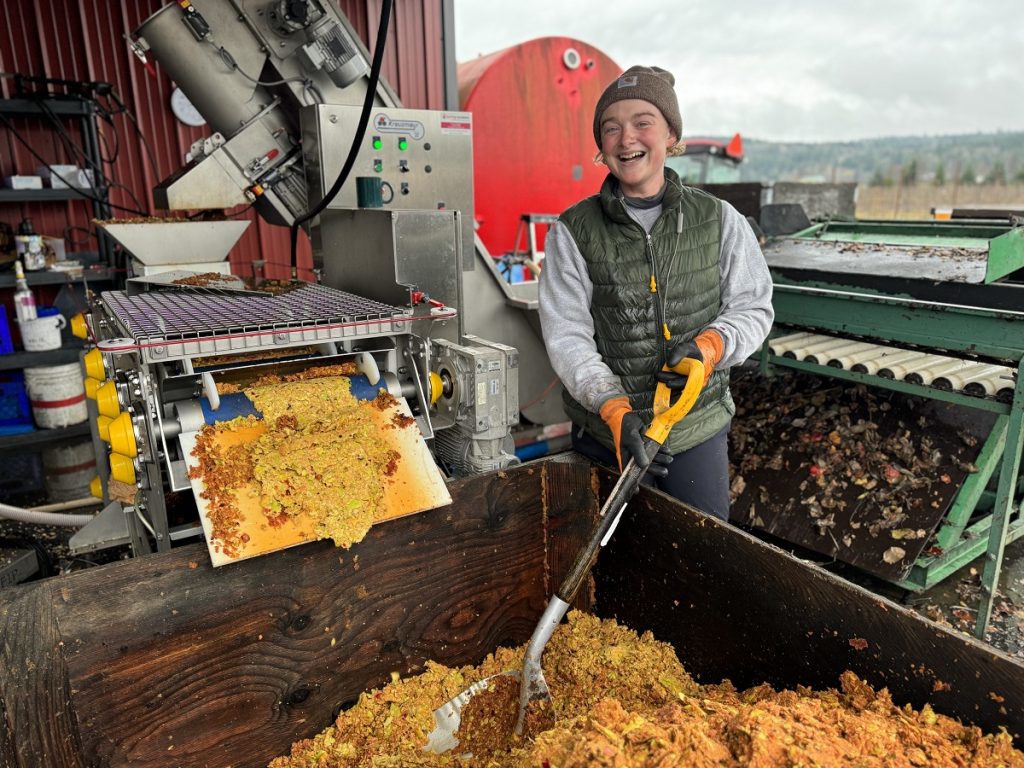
279, 84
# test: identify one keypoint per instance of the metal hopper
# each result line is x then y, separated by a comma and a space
166, 243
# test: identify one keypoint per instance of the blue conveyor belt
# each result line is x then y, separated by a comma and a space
237, 405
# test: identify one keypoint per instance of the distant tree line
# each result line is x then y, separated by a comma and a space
978, 158
909, 175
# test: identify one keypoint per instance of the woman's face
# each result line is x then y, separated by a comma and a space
634, 139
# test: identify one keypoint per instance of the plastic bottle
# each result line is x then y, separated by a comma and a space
29, 245
24, 300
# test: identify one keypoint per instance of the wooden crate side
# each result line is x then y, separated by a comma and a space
571, 509
39, 725
7, 753
735, 607
173, 663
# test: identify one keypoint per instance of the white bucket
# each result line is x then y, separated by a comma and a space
57, 395
68, 470
43, 333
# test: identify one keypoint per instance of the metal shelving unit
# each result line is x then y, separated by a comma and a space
89, 274
47, 195
42, 437
83, 111
67, 354
80, 113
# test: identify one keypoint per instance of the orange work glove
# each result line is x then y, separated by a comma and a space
628, 433
711, 346
627, 430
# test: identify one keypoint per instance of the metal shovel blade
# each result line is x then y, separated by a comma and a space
448, 716
532, 685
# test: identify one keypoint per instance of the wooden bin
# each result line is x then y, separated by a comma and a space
164, 661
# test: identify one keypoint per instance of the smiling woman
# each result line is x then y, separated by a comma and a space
639, 278
635, 140
637, 124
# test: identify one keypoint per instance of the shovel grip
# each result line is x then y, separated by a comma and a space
666, 413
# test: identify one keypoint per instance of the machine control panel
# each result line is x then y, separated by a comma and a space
424, 156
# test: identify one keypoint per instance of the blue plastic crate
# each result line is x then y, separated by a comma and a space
23, 474
15, 411
6, 345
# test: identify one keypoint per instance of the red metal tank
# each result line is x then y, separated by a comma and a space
533, 137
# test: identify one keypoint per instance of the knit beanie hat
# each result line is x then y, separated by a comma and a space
652, 84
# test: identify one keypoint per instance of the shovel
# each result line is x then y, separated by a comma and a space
532, 686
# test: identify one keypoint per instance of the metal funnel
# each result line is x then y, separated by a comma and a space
176, 242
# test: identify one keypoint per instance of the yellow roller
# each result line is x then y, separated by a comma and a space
103, 428
80, 326
96, 487
122, 436
436, 387
91, 387
94, 365
122, 468
106, 399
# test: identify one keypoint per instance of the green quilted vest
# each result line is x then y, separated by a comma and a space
683, 250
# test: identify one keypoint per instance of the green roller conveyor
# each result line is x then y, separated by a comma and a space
955, 288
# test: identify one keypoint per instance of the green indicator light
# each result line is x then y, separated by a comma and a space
377, 143
403, 144
378, 166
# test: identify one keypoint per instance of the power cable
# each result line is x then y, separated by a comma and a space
102, 179
364, 119
79, 190
43, 559
111, 159
92, 91
138, 130
69, 232
68, 142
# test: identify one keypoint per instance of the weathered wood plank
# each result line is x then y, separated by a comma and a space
735, 607
571, 508
174, 663
39, 727
7, 754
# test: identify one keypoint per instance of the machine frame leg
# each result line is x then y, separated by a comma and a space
1004, 507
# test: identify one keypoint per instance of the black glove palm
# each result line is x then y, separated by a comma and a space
676, 354
631, 445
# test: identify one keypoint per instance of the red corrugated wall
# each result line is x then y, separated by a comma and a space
84, 40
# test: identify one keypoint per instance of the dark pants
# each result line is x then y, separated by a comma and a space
698, 477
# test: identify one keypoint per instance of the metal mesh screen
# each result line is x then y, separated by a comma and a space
178, 314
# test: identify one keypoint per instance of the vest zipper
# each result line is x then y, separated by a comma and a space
659, 299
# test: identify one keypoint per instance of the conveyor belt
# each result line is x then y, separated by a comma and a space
846, 473
413, 484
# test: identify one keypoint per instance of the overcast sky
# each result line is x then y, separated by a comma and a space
796, 70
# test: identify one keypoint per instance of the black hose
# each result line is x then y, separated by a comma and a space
364, 119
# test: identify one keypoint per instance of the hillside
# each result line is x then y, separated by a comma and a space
886, 160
